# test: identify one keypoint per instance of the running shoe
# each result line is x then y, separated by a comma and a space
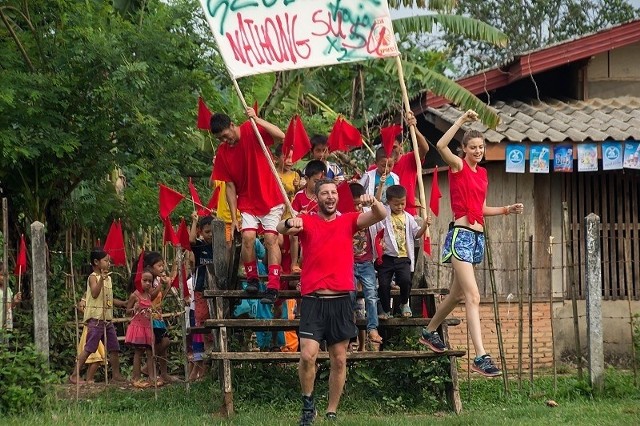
270, 297
484, 365
433, 341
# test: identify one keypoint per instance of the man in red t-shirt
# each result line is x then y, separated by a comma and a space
405, 164
251, 188
326, 311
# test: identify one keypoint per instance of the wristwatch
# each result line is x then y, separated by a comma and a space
286, 224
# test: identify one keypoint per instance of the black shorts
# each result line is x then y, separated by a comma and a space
160, 333
327, 318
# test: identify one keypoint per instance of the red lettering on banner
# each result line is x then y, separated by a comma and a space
318, 18
267, 42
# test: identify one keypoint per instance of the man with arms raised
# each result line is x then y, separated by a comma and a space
326, 311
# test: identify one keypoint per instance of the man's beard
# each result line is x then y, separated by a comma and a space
325, 211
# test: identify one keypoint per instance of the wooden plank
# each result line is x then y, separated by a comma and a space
627, 259
291, 324
635, 238
295, 294
580, 234
351, 356
542, 227
573, 236
613, 284
621, 198
604, 219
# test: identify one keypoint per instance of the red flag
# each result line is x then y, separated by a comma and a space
255, 107
388, 136
169, 235
296, 140
21, 261
426, 245
434, 198
137, 280
183, 235
343, 135
204, 115
176, 284
196, 199
213, 201
168, 200
345, 199
114, 244
378, 244
425, 313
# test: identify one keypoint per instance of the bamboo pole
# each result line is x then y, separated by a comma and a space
572, 283
184, 319
520, 303
496, 312
5, 260
627, 265
153, 352
530, 302
75, 311
266, 152
553, 340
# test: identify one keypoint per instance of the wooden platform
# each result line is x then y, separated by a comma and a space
295, 294
351, 356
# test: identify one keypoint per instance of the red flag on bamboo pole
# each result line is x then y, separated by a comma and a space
168, 200
343, 136
169, 234
175, 283
434, 198
137, 279
426, 245
213, 201
114, 244
183, 235
296, 140
345, 199
202, 211
21, 260
204, 115
388, 136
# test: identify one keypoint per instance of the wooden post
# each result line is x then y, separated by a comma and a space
520, 305
593, 275
572, 282
39, 290
530, 302
496, 312
5, 261
553, 339
627, 266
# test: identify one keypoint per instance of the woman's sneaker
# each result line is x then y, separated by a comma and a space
484, 365
432, 341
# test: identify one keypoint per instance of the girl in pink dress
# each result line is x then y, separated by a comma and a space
139, 332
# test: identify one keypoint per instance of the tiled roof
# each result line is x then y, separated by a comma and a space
553, 120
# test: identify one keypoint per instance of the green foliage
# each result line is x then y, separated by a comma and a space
25, 380
532, 24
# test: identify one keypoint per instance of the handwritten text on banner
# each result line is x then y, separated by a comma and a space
258, 36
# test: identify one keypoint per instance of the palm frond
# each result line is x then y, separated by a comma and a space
447, 5
447, 88
453, 24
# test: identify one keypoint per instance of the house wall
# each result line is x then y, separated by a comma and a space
614, 73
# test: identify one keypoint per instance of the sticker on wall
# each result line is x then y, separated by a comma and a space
563, 158
539, 158
612, 155
588, 157
515, 161
632, 155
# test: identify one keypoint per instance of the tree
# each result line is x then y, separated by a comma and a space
532, 24
84, 89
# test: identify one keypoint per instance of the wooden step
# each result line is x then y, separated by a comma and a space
295, 294
353, 356
293, 324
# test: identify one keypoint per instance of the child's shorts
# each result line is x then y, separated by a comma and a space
465, 244
96, 330
268, 221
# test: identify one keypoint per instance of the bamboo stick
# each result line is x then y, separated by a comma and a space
572, 283
75, 311
184, 319
627, 250
530, 302
520, 304
5, 272
553, 340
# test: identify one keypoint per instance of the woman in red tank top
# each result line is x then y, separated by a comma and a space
464, 245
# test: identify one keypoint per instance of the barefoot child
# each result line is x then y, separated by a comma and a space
98, 315
139, 333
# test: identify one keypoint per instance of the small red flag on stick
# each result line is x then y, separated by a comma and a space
434, 198
183, 235
21, 261
137, 280
343, 135
168, 200
388, 136
345, 199
427, 245
296, 140
169, 234
213, 201
204, 115
202, 211
175, 283
114, 244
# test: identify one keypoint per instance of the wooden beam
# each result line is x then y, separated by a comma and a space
353, 356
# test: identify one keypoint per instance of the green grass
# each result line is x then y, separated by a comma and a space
486, 404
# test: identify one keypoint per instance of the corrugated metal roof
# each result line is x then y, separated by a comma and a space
557, 121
